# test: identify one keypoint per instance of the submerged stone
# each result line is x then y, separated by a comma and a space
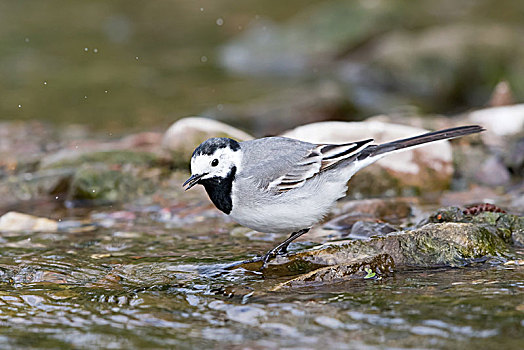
374, 267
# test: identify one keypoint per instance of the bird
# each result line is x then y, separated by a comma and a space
284, 185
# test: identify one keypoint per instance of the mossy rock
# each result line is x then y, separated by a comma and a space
113, 157
507, 226
446, 244
104, 184
432, 245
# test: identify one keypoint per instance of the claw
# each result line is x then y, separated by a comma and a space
281, 248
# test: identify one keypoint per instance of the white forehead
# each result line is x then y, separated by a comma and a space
226, 156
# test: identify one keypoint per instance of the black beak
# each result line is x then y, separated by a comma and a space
193, 180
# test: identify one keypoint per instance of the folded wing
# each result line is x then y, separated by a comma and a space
317, 160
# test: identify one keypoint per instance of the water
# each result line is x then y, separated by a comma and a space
151, 281
121, 65
151, 275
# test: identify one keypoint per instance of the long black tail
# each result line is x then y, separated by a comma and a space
420, 139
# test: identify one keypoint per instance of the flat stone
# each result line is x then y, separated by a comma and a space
19, 222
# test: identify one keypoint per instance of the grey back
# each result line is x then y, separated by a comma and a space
269, 158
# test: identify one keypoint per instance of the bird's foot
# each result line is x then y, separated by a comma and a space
281, 248
272, 254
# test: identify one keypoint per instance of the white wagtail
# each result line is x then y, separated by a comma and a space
282, 185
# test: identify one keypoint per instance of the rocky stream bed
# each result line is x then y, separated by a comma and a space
101, 247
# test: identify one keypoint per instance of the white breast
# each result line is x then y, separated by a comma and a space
289, 211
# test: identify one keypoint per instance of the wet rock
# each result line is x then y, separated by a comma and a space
375, 267
365, 230
446, 244
424, 169
186, 134
448, 238
103, 183
19, 222
141, 148
509, 227
517, 238
35, 185
32, 274
75, 159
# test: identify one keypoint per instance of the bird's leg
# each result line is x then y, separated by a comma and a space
292, 237
282, 247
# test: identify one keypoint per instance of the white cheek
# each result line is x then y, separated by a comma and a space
226, 158
200, 165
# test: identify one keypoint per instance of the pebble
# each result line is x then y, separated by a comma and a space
20, 222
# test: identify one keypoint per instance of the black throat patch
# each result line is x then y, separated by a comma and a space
219, 190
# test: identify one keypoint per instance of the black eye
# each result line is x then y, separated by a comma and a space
214, 162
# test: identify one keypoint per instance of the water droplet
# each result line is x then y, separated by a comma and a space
95, 50
86, 49
220, 21
203, 59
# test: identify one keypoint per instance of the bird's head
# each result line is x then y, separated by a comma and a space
215, 159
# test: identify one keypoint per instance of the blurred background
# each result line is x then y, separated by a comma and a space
116, 65
101, 248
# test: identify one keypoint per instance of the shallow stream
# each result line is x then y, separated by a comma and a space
145, 282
